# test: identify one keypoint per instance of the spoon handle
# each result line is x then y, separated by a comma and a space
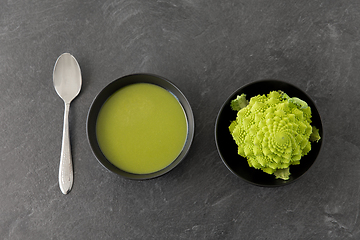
66, 167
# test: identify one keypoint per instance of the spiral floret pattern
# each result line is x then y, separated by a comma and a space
272, 133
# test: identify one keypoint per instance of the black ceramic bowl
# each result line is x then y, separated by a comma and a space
227, 147
112, 88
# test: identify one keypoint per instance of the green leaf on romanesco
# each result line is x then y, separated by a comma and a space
315, 136
272, 131
239, 103
300, 103
297, 101
282, 173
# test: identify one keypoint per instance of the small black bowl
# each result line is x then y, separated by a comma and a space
227, 147
112, 88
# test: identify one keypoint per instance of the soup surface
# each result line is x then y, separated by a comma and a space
141, 128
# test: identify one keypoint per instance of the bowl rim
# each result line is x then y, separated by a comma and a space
119, 83
236, 92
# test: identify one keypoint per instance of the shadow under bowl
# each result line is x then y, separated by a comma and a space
110, 89
227, 147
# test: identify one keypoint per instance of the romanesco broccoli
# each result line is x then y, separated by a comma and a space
272, 131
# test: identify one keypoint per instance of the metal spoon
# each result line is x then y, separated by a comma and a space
67, 82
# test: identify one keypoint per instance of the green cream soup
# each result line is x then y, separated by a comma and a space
141, 128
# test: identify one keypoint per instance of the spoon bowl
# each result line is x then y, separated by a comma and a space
67, 77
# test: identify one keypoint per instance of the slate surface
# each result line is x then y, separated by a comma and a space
208, 49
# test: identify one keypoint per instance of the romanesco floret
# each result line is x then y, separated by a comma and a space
273, 131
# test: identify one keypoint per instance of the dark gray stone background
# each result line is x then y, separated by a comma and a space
208, 48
